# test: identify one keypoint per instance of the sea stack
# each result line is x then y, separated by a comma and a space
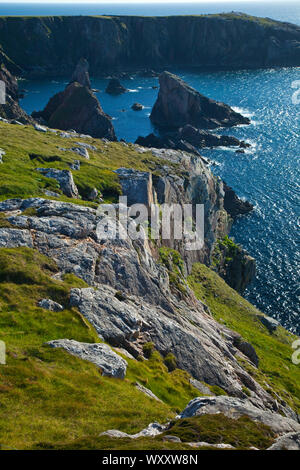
179, 104
81, 73
78, 108
114, 87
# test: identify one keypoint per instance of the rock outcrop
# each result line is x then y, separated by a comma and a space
233, 204
114, 43
179, 104
147, 311
110, 363
64, 178
81, 73
235, 408
11, 110
49, 304
77, 108
190, 139
114, 87
290, 441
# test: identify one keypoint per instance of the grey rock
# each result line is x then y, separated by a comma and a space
13, 238
64, 178
146, 391
110, 363
75, 165
94, 194
87, 146
248, 350
179, 104
169, 438
137, 186
51, 193
152, 430
201, 387
2, 153
40, 128
235, 407
81, 73
49, 304
290, 441
198, 445
270, 323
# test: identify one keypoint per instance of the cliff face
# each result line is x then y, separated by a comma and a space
53, 45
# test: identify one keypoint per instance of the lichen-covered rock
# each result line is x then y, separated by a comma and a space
290, 441
179, 104
235, 408
64, 178
13, 238
152, 429
110, 363
49, 304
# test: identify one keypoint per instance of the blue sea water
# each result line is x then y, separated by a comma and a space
279, 10
268, 174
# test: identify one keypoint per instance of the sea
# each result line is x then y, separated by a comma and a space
268, 174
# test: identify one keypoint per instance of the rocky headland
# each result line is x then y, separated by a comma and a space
80, 309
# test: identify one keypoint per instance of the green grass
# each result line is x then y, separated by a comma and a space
241, 433
18, 177
68, 397
276, 372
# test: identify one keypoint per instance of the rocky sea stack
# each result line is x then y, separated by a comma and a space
78, 108
179, 104
114, 87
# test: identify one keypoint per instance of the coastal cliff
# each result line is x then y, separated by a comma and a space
44, 46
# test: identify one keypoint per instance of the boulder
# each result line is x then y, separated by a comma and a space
49, 304
146, 391
151, 430
114, 87
2, 153
270, 323
64, 178
179, 104
110, 363
81, 73
235, 408
290, 441
137, 107
77, 108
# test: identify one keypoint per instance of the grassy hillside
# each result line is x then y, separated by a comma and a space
70, 401
27, 149
276, 372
